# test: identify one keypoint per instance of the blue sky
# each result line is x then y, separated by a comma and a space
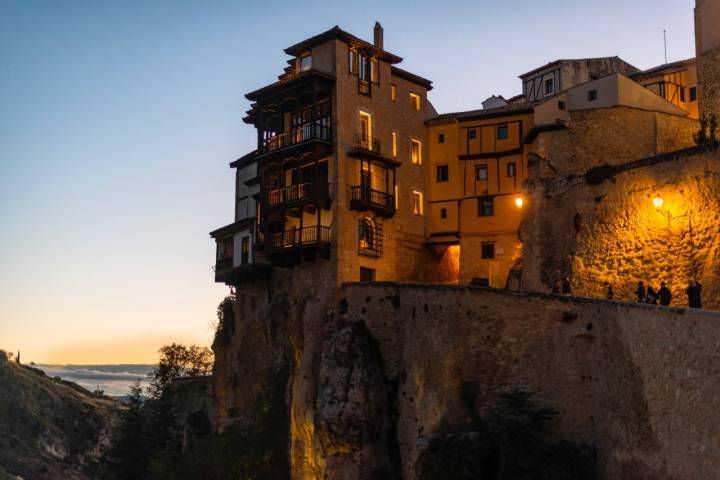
118, 120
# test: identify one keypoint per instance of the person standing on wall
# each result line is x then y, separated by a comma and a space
640, 292
693, 292
609, 291
664, 294
651, 296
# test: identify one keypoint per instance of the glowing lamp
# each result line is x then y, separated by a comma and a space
658, 202
519, 202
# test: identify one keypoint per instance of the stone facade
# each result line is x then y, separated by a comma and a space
608, 136
707, 42
631, 380
378, 371
610, 231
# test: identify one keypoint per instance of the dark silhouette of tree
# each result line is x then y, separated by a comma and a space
127, 457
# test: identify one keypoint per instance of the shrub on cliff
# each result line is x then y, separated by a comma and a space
226, 321
512, 441
707, 136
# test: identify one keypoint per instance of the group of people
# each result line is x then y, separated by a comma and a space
662, 295
652, 296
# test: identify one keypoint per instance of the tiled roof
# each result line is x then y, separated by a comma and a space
340, 34
399, 72
510, 109
285, 82
245, 160
562, 60
666, 68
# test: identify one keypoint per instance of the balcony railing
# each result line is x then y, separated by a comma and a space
223, 264
297, 237
297, 135
292, 193
373, 198
368, 143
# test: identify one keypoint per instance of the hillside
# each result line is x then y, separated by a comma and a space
49, 428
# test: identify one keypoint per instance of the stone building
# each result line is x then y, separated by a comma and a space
340, 156
707, 49
356, 178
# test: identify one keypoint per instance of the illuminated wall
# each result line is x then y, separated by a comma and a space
613, 232
475, 159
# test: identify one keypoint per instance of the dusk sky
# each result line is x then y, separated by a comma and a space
118, 121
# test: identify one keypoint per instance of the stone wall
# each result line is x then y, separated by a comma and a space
609, 136
611, 231
635, 381
709, 82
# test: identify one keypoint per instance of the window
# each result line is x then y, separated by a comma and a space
245, 251
441, 138
502, 132
366, 238
592, 95
693, 94
417, 203
561, 105
365, 129
397, 197
472, 133
393, 92
416, 152
682, 94
485, 207
549, 87
367, 274
442, 173
487, 250
443, 213
511, 169
374, 71
481, 173
305, 63
394, 144
415, 101
353, 61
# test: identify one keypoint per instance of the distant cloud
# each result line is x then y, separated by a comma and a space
115, 380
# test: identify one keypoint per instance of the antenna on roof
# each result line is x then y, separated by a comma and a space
665, 43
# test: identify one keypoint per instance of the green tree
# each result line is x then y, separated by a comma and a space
127, 458
177, 361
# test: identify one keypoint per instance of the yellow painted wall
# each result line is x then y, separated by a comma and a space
686, 78
459, 195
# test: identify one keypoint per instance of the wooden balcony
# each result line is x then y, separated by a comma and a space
285, 248
310, 136
364, 198
294, 195
226, 273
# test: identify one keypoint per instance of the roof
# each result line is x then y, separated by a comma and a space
245, 160
340, 34
232, 227
563, 60
665, 68
411, 77
297, 78
509, 109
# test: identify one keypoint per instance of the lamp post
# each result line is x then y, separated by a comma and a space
519, 202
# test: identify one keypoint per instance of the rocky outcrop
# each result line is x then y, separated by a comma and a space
50, 428
353, 409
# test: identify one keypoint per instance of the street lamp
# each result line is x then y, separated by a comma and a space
658, 201
519, 202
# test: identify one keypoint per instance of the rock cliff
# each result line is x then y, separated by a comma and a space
50, 428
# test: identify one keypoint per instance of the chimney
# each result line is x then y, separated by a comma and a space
378, 35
